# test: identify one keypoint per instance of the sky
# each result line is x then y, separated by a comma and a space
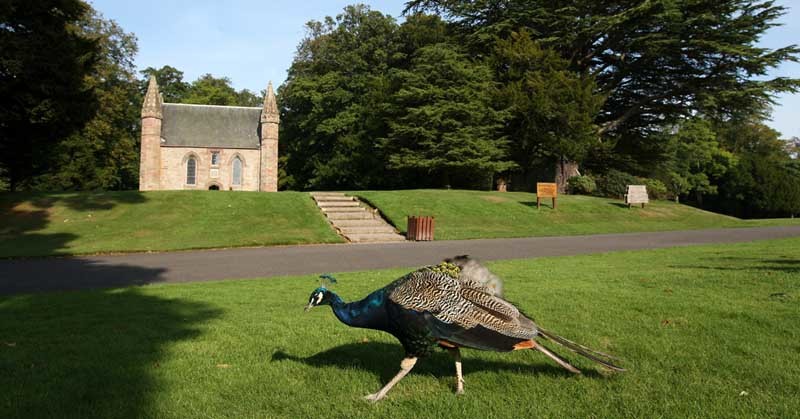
253, 42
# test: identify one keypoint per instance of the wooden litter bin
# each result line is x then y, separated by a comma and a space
420, 228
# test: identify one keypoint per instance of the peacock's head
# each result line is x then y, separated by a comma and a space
320, 296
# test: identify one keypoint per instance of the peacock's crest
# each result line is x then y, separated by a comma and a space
446, 268
326, 280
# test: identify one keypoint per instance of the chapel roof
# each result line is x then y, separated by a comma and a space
185, 125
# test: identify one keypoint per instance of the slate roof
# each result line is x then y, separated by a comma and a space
210, 126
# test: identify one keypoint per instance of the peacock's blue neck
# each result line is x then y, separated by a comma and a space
368, 312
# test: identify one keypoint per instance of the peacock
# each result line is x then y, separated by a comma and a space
457, 303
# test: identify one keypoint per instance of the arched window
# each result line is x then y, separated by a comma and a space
191, 171
237, 171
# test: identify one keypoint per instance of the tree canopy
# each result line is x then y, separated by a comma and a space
655, 61
442, 123
43, 95
103, 154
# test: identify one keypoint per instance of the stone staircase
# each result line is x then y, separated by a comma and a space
354, 220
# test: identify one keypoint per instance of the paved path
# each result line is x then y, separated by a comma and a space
73, 273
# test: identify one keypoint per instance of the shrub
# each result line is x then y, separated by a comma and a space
615, 183
655, 188
581, 185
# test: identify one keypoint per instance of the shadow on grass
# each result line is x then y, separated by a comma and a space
546, 203
90, 354
24, 218
619, 205
383, 360
790, 266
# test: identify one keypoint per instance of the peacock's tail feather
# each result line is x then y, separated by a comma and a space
596, 356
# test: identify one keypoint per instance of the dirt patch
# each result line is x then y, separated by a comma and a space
493, 198
28, 207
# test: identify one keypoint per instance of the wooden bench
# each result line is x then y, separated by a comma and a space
637, 194
546, 190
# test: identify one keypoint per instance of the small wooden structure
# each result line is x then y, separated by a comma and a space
637, 194
546, 190
420, 228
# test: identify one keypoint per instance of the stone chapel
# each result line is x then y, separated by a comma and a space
199, 147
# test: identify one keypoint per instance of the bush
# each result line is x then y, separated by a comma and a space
614, 184
581, 185
656, 189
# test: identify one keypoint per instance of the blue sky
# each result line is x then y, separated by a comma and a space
253, 41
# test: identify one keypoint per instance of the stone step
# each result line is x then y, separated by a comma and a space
379, 237
336, 216
328, 194
357, 223
330, 210
349, 231
361, 222
328, 204
333, 198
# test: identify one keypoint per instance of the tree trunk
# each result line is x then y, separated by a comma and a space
565, 169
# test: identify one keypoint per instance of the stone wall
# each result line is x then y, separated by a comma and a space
173, 168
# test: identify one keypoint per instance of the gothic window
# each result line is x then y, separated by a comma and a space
237, 171
191, 171
215, 158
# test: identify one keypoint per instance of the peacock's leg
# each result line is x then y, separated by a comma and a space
405, 366
459, 378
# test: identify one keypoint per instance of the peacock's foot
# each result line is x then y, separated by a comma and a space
373, 397
459, 386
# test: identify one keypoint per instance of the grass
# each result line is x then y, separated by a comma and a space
474, 214
86, 223
705, 331
37, 224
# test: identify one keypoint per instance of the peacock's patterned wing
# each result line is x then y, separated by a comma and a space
461, 309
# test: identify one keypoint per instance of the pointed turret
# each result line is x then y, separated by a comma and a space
269, 113
270, 122
150, 159
151, 108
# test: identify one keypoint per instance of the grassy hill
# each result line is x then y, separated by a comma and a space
475, 214
108, 222
85, 223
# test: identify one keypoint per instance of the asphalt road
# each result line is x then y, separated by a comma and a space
75, 273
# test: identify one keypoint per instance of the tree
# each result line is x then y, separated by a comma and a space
170, 83
43, 95
104, 154
551, 108
333, 99
210, 90
656, 61
696, 160
442, 123
765, 182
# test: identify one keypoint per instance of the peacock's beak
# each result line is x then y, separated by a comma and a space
309, 306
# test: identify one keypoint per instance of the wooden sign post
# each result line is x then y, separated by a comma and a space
546, 190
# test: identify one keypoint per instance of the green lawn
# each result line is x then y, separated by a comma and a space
474, 214
81, 223
109, 222
706, 331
